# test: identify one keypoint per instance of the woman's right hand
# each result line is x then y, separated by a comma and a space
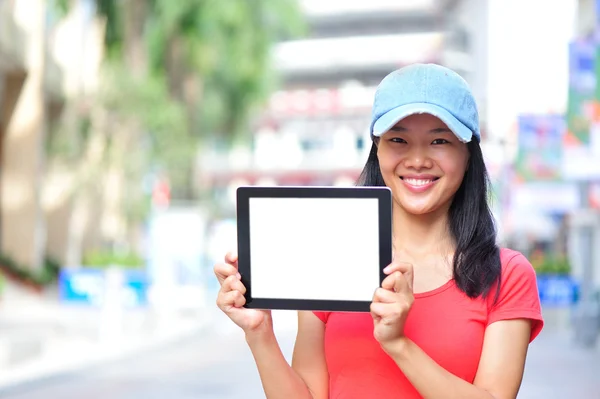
231, 299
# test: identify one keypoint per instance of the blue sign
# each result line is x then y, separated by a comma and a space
582, 62
135, 286
540, 146
83, 286
87, 286
557, 290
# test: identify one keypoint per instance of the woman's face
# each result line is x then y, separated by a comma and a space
423, 163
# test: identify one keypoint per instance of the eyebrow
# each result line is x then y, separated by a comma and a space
438, 130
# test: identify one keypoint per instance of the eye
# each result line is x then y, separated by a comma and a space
440, 141
397, 140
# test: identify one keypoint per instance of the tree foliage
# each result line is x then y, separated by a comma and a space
208, 69
226, 44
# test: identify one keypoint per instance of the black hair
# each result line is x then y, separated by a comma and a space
476, 263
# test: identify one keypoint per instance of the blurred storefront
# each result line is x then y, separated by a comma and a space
315, 128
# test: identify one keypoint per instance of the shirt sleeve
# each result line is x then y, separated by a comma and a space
519, 296
323, 316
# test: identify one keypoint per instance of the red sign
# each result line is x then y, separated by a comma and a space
161, 194
305, 102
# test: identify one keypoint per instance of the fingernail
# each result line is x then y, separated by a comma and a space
387, 269
239, 276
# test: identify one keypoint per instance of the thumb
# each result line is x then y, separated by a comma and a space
398, 282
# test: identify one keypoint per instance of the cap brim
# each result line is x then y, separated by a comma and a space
390, 118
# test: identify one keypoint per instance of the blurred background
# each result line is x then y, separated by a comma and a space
127, 125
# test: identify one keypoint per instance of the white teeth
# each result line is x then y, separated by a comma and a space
418, 182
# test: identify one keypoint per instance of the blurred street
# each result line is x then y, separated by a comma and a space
126, 128
217, 364
197, 367
210, 364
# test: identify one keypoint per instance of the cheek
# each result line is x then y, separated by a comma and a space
388, 161
454, 171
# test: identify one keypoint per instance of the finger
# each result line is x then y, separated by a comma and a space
232, 299
380, 310
233, 283
389, 311
389, 282
231, 258
396, 283
224, 270
409, 276
399, 266
384, 296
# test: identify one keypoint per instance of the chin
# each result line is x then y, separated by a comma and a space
420, 204
418, 211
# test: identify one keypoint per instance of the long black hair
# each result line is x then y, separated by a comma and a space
476, 263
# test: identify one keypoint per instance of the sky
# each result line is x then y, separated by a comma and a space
528, 58
527, 52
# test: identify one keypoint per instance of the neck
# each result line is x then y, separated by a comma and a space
421, 236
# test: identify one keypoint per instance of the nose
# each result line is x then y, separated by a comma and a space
417, 158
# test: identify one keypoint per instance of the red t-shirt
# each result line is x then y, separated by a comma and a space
445, 323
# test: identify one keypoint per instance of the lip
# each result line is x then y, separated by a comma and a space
420, 188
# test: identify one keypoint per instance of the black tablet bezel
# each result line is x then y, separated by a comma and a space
382, 194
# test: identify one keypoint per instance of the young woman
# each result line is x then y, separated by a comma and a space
455, 314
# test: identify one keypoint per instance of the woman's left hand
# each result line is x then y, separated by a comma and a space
392, 303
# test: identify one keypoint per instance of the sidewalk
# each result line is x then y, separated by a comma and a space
557, 368
217, 364
40, 337
69, 342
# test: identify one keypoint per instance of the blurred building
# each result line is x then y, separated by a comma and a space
584, 233
586, 17
315, 129
30, 90
44, 61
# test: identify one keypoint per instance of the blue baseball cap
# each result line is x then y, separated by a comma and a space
426, 89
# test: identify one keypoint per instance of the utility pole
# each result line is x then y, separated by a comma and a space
587, 312
585, 223
40, 235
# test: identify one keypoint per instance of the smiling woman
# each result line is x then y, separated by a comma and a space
425, 128
456, 313
423, 162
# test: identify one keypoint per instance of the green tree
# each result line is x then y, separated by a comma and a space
187, 70
176, 74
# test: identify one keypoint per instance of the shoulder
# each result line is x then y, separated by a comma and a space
508, 255
515, 266
518, 295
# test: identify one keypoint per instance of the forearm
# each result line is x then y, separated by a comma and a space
278, 378
430, 379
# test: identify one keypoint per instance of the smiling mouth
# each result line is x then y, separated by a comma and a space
418, 182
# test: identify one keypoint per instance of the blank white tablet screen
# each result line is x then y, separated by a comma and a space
314, 248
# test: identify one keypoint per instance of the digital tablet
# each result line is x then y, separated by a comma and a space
313, 248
